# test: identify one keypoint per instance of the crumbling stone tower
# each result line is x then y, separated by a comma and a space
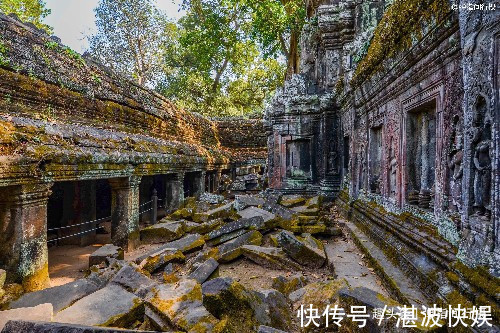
397, 104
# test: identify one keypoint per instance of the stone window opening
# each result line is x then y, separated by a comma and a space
298, 159
375, 160
421, 155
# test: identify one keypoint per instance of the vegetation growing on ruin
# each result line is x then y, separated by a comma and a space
32, 11
403, 22
4, 60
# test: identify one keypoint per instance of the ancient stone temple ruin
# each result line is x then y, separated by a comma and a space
373, 180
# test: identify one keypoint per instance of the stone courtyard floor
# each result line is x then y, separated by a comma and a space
214, 265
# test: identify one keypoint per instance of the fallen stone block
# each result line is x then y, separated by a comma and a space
186, 244
273, 258
243, 201
287, 285
111, 306
181, 303
224, 212
312, 242
255, 222
211, 198
205, 227
255, 211
278, 308
226, 237
303, 210
3, 277
319, 294
132, 280
162, 232
231, 250
371, 299
101, 276
301, 252
104, 252
203, 271
183, 214
278, 210
158, 260
267, 329
42, 312
59, 297
314, 202
292, 201
243, 309
17, 326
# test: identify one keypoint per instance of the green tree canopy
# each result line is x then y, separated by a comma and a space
216, 68
33, 11
129, 39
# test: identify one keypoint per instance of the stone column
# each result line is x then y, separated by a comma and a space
125, 212
23, 234
199, 184
218, 177
175, 192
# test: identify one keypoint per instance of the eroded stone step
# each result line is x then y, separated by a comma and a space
394, 279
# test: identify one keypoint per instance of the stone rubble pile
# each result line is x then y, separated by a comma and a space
176, 287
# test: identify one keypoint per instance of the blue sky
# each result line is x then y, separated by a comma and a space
73, 19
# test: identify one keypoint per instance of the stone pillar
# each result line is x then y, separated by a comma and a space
199, 184
125, 212
218, 177
175, 192
23, 234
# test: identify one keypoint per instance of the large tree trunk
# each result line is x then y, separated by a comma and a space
293, 55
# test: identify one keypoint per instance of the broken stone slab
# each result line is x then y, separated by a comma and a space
243, 201
111, 306
59, 297
312, 242
303, 210
132, 280
287, 285
362, 296
211, 198
17, 326
301, 252
159, 259
267, 329
243, 309
255, 222
314, 202
278, 308
181, 303
165, 231
203, 271
101, 276
231, 250
256, 211
205, 227
278, 210
292, 201
183, 214
186, 244
226, 237
104, 252
270, 257
223, 212
319, 294
41, 312
3, 277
